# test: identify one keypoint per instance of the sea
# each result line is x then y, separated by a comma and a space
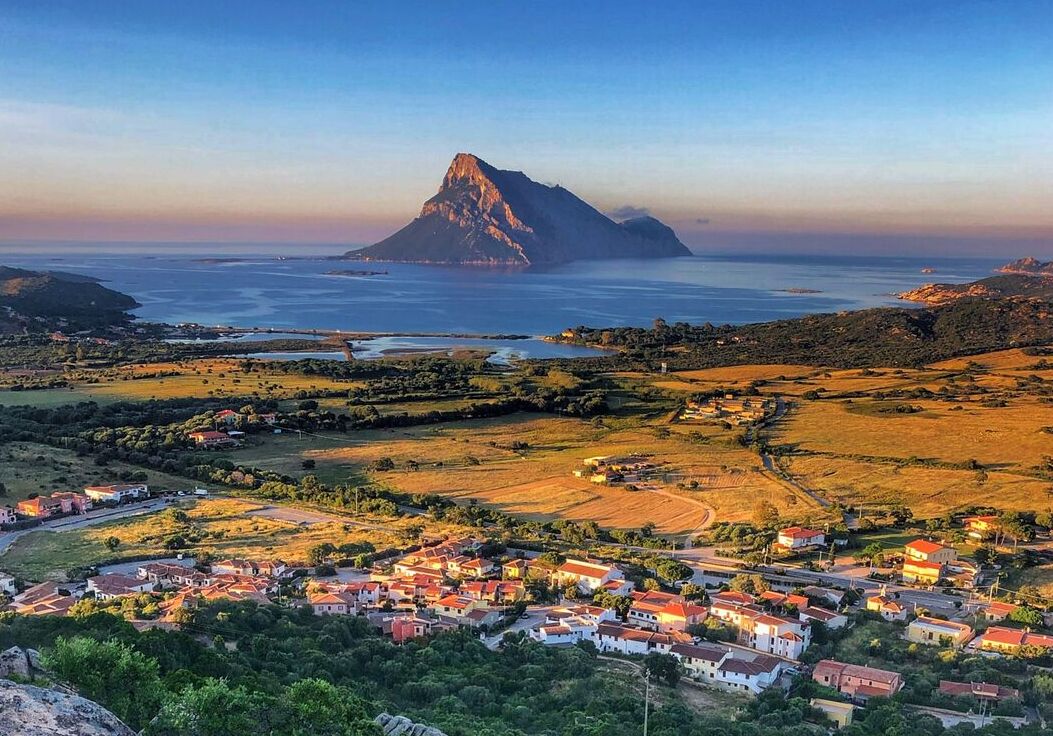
301, 293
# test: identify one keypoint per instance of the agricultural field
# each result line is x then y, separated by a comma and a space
27, 468
476, 460
873, 437
212, 377
225, 527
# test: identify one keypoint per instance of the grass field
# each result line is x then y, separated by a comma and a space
215, 377
1007, 437
228, 530
474, 460
31, 468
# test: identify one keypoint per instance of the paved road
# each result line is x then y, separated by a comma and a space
535, 617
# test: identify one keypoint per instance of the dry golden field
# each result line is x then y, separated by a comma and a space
229, 528
477, 463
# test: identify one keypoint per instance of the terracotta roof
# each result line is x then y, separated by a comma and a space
1016, 637
584, 569
978, 689
799, 532
835, 668
924, 546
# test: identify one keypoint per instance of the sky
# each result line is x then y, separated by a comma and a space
869, 127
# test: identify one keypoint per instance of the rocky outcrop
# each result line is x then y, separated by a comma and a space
18, 662
26, 710
487, 216
995, 287
1029, 266
402, 726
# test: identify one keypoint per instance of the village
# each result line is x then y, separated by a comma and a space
742, 634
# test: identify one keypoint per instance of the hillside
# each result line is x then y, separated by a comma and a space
1009, 284
36, 300
888, 336
486, 216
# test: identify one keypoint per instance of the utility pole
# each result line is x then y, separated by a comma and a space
647, 699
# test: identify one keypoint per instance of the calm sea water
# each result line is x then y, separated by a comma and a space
410, 298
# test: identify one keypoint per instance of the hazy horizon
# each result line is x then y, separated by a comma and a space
885, 128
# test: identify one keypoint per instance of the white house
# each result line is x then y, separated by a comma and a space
751, 674
117, 493
797, 537
832, 619
612, 637
588, 576
7, 584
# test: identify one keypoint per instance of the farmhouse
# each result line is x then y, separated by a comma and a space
73, 502
209, 438
7, 515
934, 631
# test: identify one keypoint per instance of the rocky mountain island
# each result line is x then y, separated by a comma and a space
1026, 278
487, 216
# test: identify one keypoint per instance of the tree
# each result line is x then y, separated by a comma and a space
663, 667
112, 543
104, 671
671, 570
318, 554
751, 584
318, 708
212, 709
1027, 616
765, 515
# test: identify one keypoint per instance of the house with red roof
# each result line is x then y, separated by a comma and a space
982, 692
1007, 641
889, 608
337, 603
626, 639
856, 681
590, 576
40, 507
664, 611
208, 439
929, 551
799, 537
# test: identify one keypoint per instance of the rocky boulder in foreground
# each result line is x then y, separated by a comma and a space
26, 710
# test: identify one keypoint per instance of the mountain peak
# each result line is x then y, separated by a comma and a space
487, 216
465, 167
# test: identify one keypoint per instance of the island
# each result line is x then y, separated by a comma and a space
485, 216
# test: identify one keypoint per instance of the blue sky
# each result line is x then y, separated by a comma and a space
912, 124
